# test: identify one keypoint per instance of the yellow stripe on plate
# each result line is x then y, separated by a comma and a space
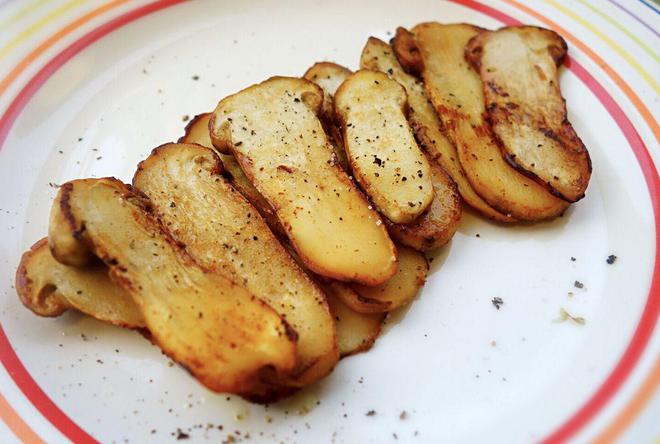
27, 9
623, 29
30, 30
611, 43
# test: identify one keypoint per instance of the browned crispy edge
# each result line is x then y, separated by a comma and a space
24, 287
189, 126
406, 50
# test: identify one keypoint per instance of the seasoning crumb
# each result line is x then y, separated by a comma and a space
477, 235
565, 316
578, 284
493, 344
371, 413
180, 434
403, 415
195, 77
497, 302
185, 118
611, 259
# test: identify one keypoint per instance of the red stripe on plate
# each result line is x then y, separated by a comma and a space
24, 96
37, 396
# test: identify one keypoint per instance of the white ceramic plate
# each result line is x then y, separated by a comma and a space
461, 370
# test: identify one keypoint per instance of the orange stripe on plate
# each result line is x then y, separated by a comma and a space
20, 428
634, 407
50, 41
643, 110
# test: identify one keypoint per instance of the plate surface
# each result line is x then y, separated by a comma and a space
450, 368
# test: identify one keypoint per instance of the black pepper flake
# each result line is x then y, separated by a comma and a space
573, 259
371, 413
390, 71
195, 77
185, 118
578, 284
497, 302
611, 259
238, 144
180, 434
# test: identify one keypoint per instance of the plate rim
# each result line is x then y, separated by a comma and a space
569, 427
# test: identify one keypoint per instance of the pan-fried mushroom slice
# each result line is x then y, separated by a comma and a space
404, 285
399, 290
379, 56
353, 300
437, 225
275, 135
49, 288
329, 76
226, 337
223, 232
381, 148
197, 131
356, 332
407, 53
518, 68
455, 91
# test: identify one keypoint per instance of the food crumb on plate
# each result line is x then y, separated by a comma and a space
565, 316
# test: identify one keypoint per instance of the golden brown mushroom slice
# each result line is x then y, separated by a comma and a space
454, 89
49, 288
197, 131
380, 145
518, 69
356, 332
277, 138
379, 56
437, 225
224, 232
519, 72
398, 291
329, 76
407, 53
226, 337
402, 288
